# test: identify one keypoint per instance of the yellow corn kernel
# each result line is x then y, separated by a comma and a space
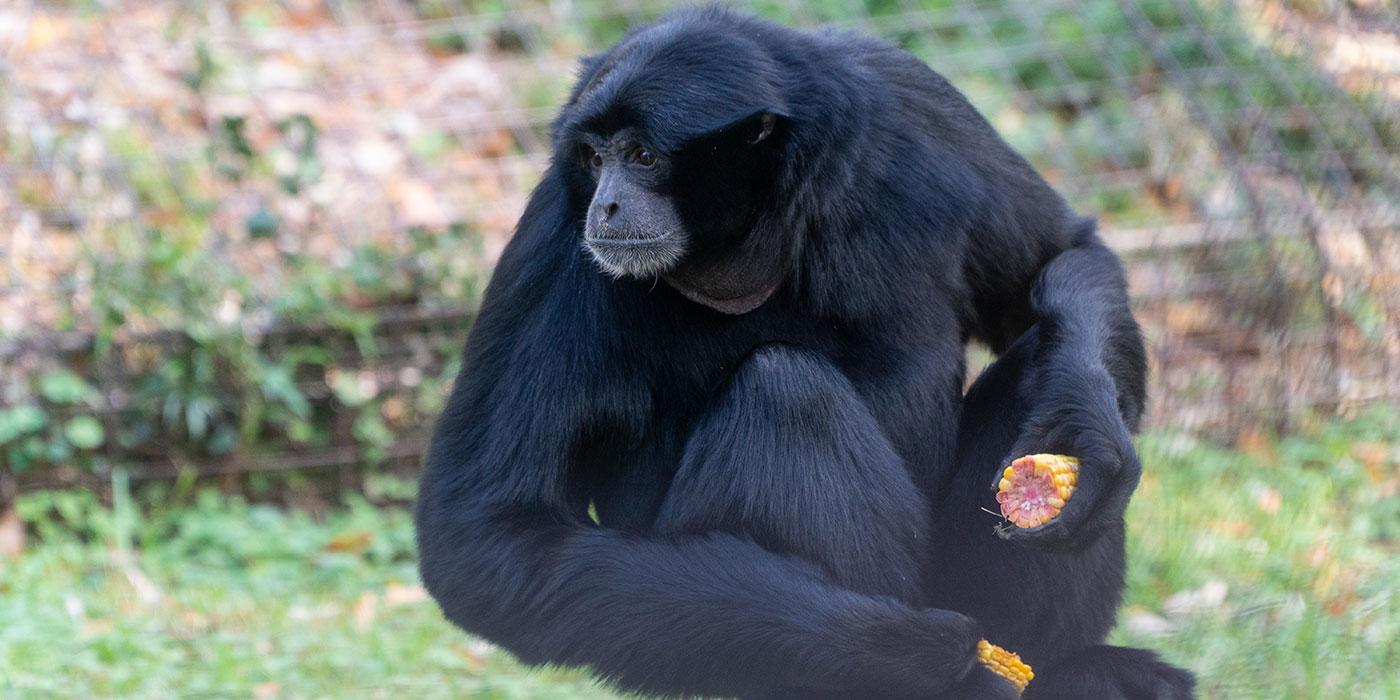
1035, 488
1005, 664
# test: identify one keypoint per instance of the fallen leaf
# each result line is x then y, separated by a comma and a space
366, 607
1374, 456
194, 619
1340, 605
1255, 443
1319, 553
1268, 499
396, 594
45, 31
1188, 317
11, 534
1209, 596
147, 592
419, 204
1147, 624
353, 541
475, 654
498, 143
1232, 528
89, 628
302, 613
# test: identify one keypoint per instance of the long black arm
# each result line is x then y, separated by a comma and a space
1080, 301
1086, 386
1060, 277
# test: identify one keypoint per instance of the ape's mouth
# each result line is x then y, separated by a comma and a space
633, 256
625, 241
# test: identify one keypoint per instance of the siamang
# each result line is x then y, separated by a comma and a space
710, 435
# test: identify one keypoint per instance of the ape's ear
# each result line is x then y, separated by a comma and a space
766, 122
757, 127
752, 128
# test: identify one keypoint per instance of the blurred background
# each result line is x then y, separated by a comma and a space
241, 243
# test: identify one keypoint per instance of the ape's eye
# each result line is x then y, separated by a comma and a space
591, 158
646, 158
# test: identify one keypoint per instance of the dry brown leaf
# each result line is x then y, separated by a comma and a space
194, 619
1373, 455
1268, 499
264, 691
1147, 623
89, 628
44, 31
393, 409
11, 534
498, 143
365, 610
1337, 606
475, 654
418, 204
352, 541
396, 594
1189, 317
1253, 442
306, 13
1233, 528
1210, 596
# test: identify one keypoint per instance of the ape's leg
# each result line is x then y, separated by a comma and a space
791, 457
1053, 608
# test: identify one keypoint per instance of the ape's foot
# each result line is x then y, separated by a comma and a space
982, 684
1112, 673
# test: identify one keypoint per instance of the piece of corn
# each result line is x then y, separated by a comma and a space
1035, 488
1005, 664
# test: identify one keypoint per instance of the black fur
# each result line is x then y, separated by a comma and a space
788, 499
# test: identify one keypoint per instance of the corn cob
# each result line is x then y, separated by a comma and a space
1005, 664
1035, 488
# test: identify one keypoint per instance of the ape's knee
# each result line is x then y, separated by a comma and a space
777, 357
799, 385
790, 418
786, 410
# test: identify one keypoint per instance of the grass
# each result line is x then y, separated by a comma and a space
252, 601
1301, 536
1270, 571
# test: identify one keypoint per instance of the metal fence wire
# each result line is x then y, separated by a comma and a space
1241, 155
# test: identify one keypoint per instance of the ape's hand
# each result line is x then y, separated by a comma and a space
1074, 411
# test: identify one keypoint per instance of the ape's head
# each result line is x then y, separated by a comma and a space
673, 144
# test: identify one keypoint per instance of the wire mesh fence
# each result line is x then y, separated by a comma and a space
225, 170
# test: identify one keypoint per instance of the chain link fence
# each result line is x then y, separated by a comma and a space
199, 180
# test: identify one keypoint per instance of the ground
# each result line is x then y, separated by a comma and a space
1270, 570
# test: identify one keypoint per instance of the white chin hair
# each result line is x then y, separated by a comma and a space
636, 261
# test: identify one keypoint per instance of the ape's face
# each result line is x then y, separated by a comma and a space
653, 209
632, 226
673, 144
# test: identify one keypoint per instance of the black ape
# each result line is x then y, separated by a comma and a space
732, 320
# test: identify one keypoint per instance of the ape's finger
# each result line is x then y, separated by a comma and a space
1071, 531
